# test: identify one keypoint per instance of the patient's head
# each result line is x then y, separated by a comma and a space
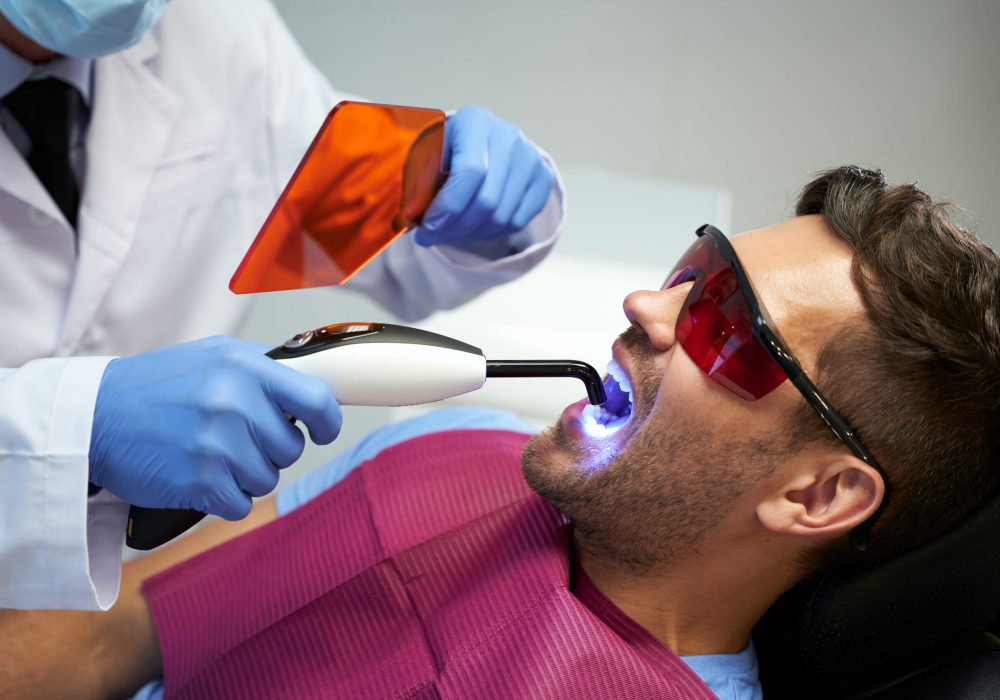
895, 315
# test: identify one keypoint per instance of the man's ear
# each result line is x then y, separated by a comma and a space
824, 498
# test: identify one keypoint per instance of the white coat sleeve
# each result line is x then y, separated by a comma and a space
413, 281
58, 549
409, 280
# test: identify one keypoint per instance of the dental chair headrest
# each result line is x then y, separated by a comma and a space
850, 632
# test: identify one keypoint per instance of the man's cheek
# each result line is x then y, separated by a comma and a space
682, 394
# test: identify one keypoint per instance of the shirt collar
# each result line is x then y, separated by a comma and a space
14, 70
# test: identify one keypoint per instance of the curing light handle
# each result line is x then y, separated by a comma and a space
148, 528
551, 368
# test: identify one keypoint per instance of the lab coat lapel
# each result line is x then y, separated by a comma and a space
132, 117
22, 184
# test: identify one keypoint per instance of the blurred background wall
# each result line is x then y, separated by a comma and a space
750, 95
662, 115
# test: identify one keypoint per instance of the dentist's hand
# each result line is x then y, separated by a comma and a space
498, 182
201, 426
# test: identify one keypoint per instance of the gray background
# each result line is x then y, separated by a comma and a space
750, 95
745, 98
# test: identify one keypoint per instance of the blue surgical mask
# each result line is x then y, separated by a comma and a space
84, 28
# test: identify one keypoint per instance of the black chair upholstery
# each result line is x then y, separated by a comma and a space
903, 623
973, 675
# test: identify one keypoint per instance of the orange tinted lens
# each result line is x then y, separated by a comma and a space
368, 176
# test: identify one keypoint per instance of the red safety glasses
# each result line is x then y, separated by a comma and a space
368, 176
727, 332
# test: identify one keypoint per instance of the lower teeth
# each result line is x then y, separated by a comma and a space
599, 422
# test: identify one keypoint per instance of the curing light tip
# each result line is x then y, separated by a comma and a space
551, 368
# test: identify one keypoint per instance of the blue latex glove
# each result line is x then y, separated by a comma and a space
201, 426
498, 182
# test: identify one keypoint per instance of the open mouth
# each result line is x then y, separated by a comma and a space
610, 416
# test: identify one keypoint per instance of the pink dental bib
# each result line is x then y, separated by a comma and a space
431, 571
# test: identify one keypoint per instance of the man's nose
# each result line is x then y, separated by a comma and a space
655, 313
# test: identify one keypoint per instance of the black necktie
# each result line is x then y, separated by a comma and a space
47, 110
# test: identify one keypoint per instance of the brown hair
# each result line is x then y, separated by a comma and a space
920, 382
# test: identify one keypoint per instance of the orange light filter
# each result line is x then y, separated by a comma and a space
368, 176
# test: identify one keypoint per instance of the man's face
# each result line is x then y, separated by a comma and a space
693, 454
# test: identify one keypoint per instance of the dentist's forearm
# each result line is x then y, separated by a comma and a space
74, 654
133, 658
46, 653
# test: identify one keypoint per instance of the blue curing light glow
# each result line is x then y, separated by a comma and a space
607, 419
594, 428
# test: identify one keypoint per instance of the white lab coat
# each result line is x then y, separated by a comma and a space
193, 133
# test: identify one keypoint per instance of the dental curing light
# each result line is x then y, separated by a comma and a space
376, 364
380, 364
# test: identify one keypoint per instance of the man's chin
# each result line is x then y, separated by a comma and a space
549, 458
567, 456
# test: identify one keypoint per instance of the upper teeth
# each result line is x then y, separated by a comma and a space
619, 375
598, 420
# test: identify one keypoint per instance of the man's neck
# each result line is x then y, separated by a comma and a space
22, 45
695, 606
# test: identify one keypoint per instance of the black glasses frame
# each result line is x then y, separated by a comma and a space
766, 332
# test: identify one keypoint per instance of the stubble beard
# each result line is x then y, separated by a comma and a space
652, 503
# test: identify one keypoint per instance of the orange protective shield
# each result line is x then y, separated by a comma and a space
368, 176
